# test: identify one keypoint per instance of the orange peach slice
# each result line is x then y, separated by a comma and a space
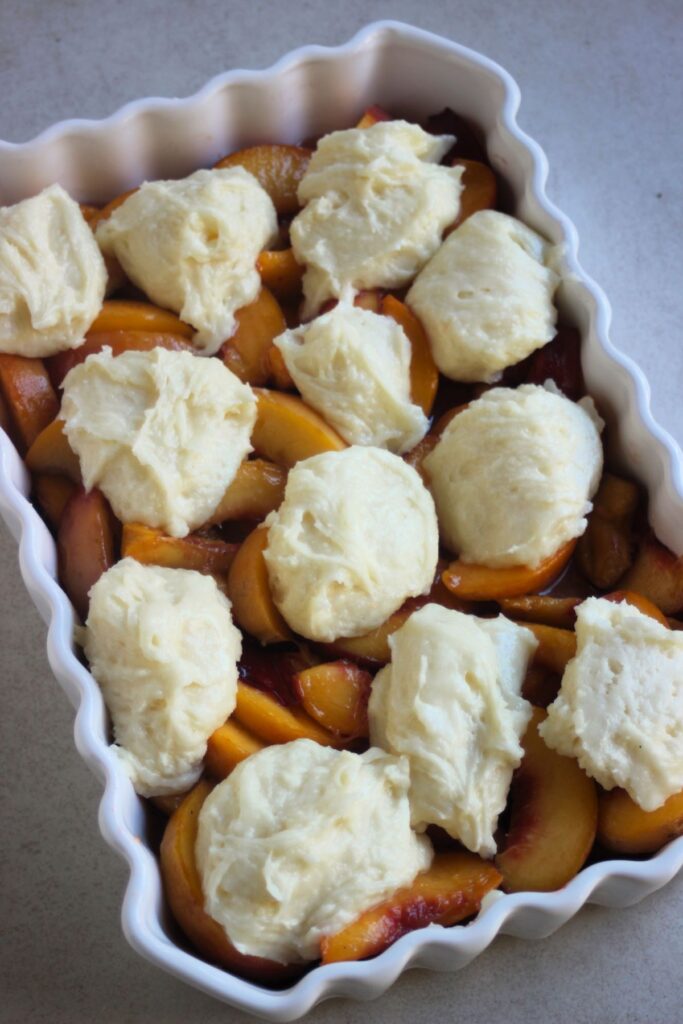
550, 611
424, 375
258, 488
183, 888
287, 430
277, 370
52, 453
481, 583
125, 315
643, 604
85, 545
277, 168
272, 722
227, 746
154, 547
280, 272
30, 398
246, 351
605, 551
449, 891
373, 115
480, 189
556, 647
118, 341
336, 695
553, 818
658, 575
625, 827
371, 648
52, 493
88, 211
249, 591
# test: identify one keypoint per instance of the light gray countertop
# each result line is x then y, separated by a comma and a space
601, 91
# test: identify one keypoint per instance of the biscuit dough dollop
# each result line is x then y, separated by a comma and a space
191, 245
353, 366
52, 275
450, 701
163, 648
620, 706
299, 840
513, 475
354, 537
486, 297
161, 433
377, 203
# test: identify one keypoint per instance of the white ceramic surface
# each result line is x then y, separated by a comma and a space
309, 91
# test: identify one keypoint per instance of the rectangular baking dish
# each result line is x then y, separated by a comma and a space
308, 92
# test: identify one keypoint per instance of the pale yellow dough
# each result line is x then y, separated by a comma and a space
376, 206
299, 840
192, 245
163, 648
161, 433
353, 366
52, 275
486, 297
450, 701
513, 475
620, 706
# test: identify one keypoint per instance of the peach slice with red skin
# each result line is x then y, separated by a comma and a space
126, 315
154, 547
278, 169
257, 489
246, 351
227, 746
657, 574
52, 453
606, 549
183, 888
287, 430
280, 272
118, 341
447, 892
336, 695
480, 189
52, 494
472, 582
272, 722
553, 818
249, 591
29, 397
625, 827
85, 545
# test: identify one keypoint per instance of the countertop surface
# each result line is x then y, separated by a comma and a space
601, 88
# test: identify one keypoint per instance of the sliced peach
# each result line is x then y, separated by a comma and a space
605, 551
272, 722
373, 115
88, 211
643, 604
169, 803
52, 453
118, 341
183, 888
246, 351
449, 891
540, 686
249, 591
550, 611
481, 583
106, 211
280, 272
625, 827
658, 575
371, 648
227, 746
125, 315
52, 493
277, 168
258, 488
424, 375
556, 647
30, 398
416, 456
553, 818
277, 370
480, 189
336, 695
154, 547
287, 430
85, 545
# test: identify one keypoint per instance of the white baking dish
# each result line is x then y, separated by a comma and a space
310, 91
